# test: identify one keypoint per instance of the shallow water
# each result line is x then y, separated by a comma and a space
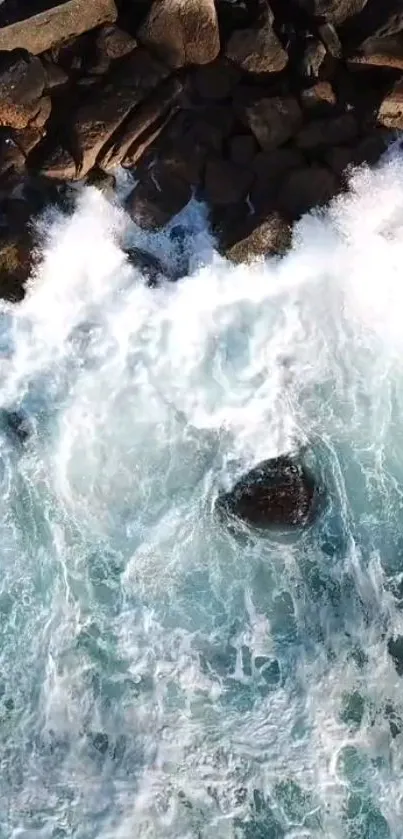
161, 678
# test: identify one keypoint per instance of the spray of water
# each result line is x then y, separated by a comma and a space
160, 677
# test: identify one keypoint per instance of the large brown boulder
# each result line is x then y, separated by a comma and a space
272, 120
279, 492
182, 31
257, 49
41, 32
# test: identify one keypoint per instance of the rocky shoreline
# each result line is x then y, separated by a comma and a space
259, 108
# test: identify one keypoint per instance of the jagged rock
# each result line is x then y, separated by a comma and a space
15, 264
395, 650
22, 80
41, 32
226, 183
279, 492
182, 31
336, 11
272, 120
390, 113
242, 149
154, 201
216, 81
149, 266
381, 52
330, 39
146, 123
56, 163
11, 156
376, 20
259, 238
55, 77
326, 132
314, 55
104, 181
114, 42
270, 169
257, 49
320, 97
305, 188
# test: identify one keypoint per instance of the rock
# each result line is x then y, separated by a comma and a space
335, 11
305, 188
319, 97
146, 123
339, 158
148, 265
395, 650
270, 169
390, 113
257, 49
154, 201
56, 163
182, 31
326, 132
314, 55
11, 156
22, 80
15, 264
376, 20
55, 77
259, 238
114, 42
216, 81
381, 52
273, 120
277, 493
226, 183
242, 149
104, 181
330, 39
55, 25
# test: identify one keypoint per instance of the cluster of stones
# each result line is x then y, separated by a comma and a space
258, 107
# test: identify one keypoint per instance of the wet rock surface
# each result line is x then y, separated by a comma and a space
279, 492
259, 108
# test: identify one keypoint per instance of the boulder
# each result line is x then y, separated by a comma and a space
279, 492
225, 182
259, 238
318, 98
215, 81
22, 81
148, 265
305, 188
272, 120
143, 126
376, 20
395, 650
270, 169
16, 425
11, 156
257, 49
380, 52
313, 58
15, 264
41, 32
336, 11
327, 132
182, 32
56, 163
55, 77
390, 113
155, 200
242, 149
113, 42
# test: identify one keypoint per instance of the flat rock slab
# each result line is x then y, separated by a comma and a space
48, 29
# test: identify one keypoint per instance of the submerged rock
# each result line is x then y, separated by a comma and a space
149, 266
15, 424
277, 492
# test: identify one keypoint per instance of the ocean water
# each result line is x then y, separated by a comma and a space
160, 676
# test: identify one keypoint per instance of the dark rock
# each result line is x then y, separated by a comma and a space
55, 77
41, 32
395, 650
371, 148
326, 132
313, 58
336, 11
330, 39
258, 238
226, 183
113, 42
104, 181
270, 169
305, 188
22, 80
320, 97
182, 31
149, 266
15, 424
376, 20
277, 493
390, 113
57, 163
145, 124
155, 201
242, 149
257, 49
272, 120
216, 81
15, 264
11, 156
381, 52
339, 158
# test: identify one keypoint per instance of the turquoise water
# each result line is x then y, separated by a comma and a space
161, 678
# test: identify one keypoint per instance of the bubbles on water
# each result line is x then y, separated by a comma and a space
160, 675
